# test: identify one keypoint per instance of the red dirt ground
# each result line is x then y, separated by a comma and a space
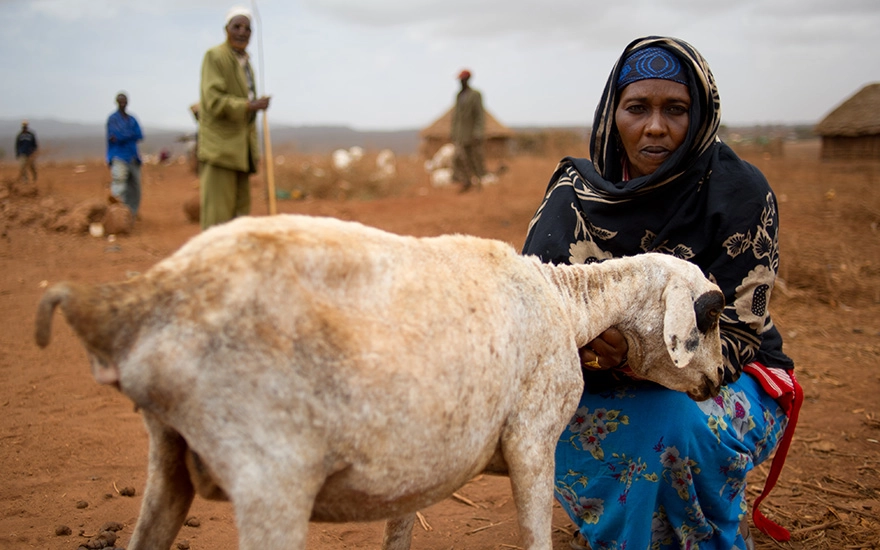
69, 447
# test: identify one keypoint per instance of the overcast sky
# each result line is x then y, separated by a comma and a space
391, 64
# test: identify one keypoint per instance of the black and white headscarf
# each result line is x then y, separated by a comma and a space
702, 131
703, 204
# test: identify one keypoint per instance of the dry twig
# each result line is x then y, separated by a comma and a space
465, 500
568, 532
423, 522
778, 511
478, 529
820, 527
848, 509
834, 492
808, 542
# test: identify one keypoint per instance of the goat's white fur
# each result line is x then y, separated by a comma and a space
314, 368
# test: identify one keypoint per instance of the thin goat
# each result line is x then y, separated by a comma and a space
310, 368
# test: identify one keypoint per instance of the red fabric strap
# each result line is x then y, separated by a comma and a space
784, 387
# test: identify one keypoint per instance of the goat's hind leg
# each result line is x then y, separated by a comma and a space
398, 533
169, 491
274, 501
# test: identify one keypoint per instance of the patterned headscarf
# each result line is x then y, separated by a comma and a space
705, 118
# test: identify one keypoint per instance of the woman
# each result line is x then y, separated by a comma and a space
227, 136
641, 466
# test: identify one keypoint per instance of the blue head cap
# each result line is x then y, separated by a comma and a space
652, 62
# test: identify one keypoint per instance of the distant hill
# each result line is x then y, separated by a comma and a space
60, 141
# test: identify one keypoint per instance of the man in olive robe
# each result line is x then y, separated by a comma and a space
228, 107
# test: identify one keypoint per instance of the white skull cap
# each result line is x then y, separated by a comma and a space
236, 11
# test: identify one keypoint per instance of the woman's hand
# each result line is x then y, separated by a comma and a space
607, 351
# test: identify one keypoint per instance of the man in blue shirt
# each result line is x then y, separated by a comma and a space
123, 133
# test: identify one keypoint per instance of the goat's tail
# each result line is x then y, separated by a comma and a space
104, 317
46, 308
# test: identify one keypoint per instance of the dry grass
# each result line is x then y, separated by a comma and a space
825, 255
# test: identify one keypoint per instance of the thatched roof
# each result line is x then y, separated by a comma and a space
857, 116
442, 127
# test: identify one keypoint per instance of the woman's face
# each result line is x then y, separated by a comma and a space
652, 119
238, 32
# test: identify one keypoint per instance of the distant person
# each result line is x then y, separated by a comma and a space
123, 135
26, 151
227, 137
468, 134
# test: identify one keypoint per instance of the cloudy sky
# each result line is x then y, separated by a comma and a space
391, 64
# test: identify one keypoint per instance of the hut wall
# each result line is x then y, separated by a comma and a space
851, 148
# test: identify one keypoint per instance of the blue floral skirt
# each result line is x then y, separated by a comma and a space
644, 467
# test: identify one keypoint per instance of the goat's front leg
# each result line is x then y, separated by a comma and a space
528, 445
169, 491
398, 533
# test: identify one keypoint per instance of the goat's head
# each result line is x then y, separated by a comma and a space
675, 341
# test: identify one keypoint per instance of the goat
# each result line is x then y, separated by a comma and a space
311, 368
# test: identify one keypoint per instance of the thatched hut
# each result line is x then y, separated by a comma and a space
436, 135
852, 130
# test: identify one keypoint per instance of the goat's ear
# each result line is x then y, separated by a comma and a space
679, 324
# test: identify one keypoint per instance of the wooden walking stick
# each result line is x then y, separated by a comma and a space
269, 165
268, 162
